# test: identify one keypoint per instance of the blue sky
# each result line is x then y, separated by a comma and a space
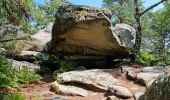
98, 3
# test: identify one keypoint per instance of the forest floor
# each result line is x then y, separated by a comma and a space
42, 91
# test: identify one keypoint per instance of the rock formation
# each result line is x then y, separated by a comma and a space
84, 30
160, 88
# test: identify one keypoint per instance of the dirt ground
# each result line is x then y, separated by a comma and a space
42, 91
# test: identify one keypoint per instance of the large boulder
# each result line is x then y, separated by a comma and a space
160, 88
86, 30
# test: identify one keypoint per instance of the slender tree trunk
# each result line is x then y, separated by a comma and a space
138, 15
137, 45
163, 48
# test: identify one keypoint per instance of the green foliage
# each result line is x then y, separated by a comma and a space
161, 24
45, 13
44, 70
123, 10
66, 65
12, 78
12, 11
14, 96
24, 78
59, 79
7, 74
27, 12
146, 59
17, 12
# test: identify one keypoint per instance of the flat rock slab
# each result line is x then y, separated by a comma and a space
23, 65
68, 90
143, 75
96, 79
34, 55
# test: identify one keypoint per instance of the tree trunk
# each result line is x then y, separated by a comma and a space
137, 45
138, 15
163, 48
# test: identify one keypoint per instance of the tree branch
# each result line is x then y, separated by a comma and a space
151, 7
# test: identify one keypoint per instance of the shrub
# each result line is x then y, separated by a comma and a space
12, 78
44, 70
7, 74
66, 65
14, 96
25, 77
146, 59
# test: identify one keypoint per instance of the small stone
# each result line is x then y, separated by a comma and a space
112, 98
131, 75
120, 91
68, 90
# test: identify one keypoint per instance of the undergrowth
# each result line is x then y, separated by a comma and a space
14, 96
12, 78
64, 66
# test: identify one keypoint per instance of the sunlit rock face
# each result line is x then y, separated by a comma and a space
87, 30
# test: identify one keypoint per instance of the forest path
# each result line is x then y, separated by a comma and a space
42, 91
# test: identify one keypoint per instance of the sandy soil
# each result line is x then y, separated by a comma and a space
42, 91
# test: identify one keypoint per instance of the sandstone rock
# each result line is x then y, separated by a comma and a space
36, 56
149, 73
42, 40
88, 31
68, 90
23, 65
131, 73
159, 89
96, 79
120, 91
143, 75
126, 34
